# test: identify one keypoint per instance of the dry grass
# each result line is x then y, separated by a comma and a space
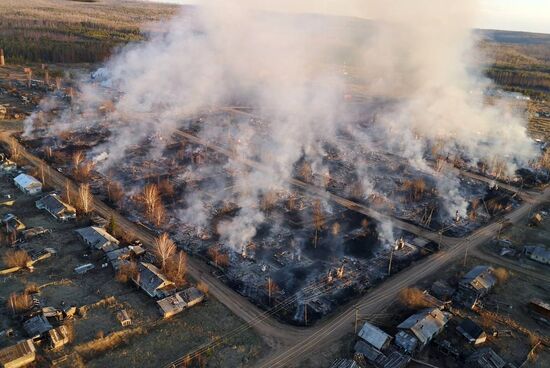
102, 344
16, 258
413, 298
32, 288
19, 303
501, 274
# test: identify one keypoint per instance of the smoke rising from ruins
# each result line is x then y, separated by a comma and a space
289, 69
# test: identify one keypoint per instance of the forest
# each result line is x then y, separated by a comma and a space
88, 31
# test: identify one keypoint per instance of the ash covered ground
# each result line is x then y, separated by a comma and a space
282, 149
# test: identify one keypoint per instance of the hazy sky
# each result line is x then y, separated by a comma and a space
520, 15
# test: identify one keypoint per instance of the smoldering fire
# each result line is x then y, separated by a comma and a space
365, 104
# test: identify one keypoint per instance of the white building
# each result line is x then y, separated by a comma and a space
28, 184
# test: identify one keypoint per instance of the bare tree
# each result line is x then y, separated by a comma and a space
78, 158
166, 188
126, 272
220, 259
159, 214
115, 192
271, 287
176, 268
85, 199
269, 200
318, 219
151, 198
68, 191
164, 249
14, 149
16, 258
306, 172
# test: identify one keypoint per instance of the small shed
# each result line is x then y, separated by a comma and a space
82, 269
59, 337
18, 355
124, 318
28, 184
472, 332
374, 336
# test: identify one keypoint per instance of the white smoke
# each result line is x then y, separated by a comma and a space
414, 54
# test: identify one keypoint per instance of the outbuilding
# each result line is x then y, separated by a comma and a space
472, 332
18, 355
58, 337
28, 184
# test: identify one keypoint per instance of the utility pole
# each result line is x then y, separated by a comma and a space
466, 254
391, 258
305, 313
269, 289
356, 318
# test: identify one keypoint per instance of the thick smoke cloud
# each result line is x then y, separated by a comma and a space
289, 68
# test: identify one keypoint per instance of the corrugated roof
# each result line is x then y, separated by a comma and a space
54, 204
151, 278
485, 358
374, 336
344, 363
426, 324
96, 236
480, 277
26, 181
23, 349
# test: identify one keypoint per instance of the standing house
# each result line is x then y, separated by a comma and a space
98, 238
176, 303
37, 326
477, 282
153, 282
56, 207
374, 336
28, 184
423, 326
537, 253
18, 355
472, 332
